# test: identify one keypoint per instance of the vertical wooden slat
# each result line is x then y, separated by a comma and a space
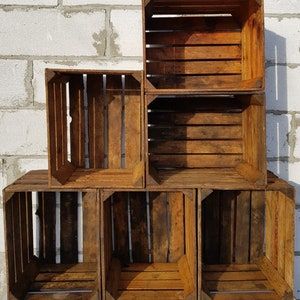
24, 229
227, 227
281, 233
46, 213
29, 225
199, 243
64, 130
211, 228
69, 233
242, 237
96, 120
58, 124
190, 234
257, 225
9, 241
121, 227
114, 97
107, 234
51, 126
77, 125
176, 226
17, 237
139, 238
89, 204
159, 227
132, 122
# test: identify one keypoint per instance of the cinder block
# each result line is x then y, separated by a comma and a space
126, 39
282, 88
50, 32
3, 287
23, 132
282, 39
282, 6
297, 146
13, 83
40, 66
28, 2
278, 127
102, 2
2, 245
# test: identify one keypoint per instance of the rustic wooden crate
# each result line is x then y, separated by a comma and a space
248, 243
95, 128
43, 274
211, 142
150, 247
204, 45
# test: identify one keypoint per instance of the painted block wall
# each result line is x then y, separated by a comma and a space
106, 34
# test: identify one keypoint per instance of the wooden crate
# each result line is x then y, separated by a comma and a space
248, 243
203, 45
149, 249
35, 269
209, 142
95, 129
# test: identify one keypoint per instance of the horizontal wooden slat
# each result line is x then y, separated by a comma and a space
134, 276
154, 267
230, 268
59, 296
195, 161
195, 67
225, 286
150, 295
196, 53
195, 132
229, 276
87, 276
193, 24
62, 286
193, 38
247, 296
195, 118
80, 268
196, 147
151, 285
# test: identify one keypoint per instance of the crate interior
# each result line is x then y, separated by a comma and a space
149, 248
95, 129
196, 140
204, 44
239, 231
52, 245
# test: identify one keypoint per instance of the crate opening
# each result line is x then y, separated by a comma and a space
239, 235
192, 137
149, 245
204, 45
95, 128
52, 244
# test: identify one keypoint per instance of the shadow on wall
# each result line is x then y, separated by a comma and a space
279, 141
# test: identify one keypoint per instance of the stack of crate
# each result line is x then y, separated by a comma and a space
157, 185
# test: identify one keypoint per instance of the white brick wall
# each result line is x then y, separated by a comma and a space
107, 34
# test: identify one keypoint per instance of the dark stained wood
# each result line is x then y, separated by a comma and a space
47, 216
68, 223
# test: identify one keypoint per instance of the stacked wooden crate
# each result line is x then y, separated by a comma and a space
157, 185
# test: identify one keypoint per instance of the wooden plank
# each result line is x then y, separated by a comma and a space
90, 248
133, 121
195, 53
143, 276
225, 286
121, 227
68, 223
194, 67
195, 132
68, 268
159, 227
257, 225
113, 279
62, 286
230, 268
193, 38
139, 235
76, 91
96, 120
29, 226
208, 118
47, 216
65, 277
60, 296
242, 235
211, 228
196, 147
150, 295
186, 277
227, 226
232, 276
281, 234
151, 285
152, 267
108, 248
176, 226
24, 229
161, 161
114, 98
247, 296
